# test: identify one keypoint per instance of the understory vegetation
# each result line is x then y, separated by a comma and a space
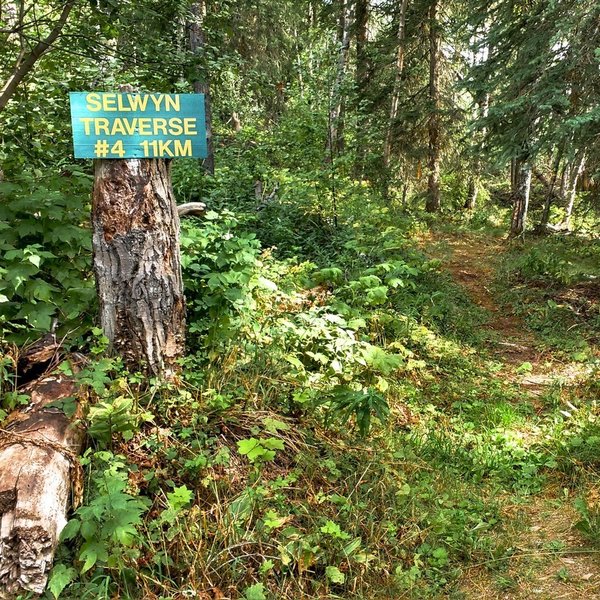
353, 418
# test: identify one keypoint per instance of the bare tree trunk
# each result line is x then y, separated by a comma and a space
404, 192
550, 193
520, 199
27, 62
513, 175
137, 263
575, 175
197, 44
471, 199
39, 469
361, 79
400, 52
335, 139
433, 197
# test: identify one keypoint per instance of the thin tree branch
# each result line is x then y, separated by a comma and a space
24, 66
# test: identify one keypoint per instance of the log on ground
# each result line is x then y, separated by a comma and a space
39, 470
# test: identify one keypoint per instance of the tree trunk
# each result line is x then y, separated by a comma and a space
400, 52
550, 193
471, 199
38, 470
513, 176
433, 203
137, 263
335, 139
197, 44
521, 199
576, 174
361, 81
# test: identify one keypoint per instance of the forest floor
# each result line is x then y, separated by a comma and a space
551, 560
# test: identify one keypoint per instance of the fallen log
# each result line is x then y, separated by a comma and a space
40, 478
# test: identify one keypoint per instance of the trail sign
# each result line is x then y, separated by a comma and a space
127, 125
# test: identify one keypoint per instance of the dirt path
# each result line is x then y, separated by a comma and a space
550, 561
472, 262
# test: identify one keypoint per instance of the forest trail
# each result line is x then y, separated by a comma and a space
550, 560
472, 261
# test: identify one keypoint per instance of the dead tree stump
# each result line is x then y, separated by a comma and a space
137, 263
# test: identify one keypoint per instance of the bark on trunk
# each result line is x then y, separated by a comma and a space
38, 471
521, 199
197, 43
137, 263
335, 139
400, 52
550, 190
361, 80
471, 199
433, 203
576, 174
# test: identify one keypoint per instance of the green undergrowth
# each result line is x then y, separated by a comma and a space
554, 284
337, 431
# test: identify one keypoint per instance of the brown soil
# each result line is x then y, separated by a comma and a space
471, 261
550, 561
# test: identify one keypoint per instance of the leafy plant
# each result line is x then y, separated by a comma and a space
260, 450
45, 253
108, 520
361, 404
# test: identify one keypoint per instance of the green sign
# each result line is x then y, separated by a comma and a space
123, 125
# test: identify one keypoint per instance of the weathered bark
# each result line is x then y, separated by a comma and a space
38, 471
335, 139
400, 53
513, 176
520, 199
137, 263
433, 203
27, 62
197, 43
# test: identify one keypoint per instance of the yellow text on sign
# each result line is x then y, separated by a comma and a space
139, 125
131, 102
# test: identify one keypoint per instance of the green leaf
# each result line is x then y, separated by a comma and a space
266, 567
333, 529
250, 448
272, 520
334, 575
60, 578
70, 530
255, 592
67, 405
180, 497
272, 444
34, 259
89, 555
274, 425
